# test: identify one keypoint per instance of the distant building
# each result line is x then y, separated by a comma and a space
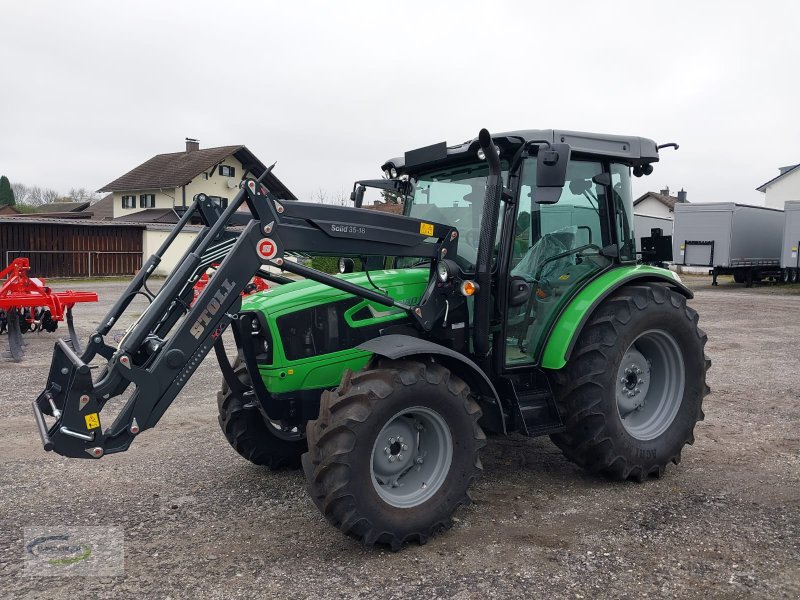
786, 186
659, 204
164, 185
6, 209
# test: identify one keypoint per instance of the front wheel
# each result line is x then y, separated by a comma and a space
632, 391
393, 452
259, 440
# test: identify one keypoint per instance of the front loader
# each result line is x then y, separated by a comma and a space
506, 298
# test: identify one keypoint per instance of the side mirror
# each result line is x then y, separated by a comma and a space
346, 265
358, 195
519, 291
551, 173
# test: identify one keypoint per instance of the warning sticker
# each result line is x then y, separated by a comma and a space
267, 248
92, 421
426, 229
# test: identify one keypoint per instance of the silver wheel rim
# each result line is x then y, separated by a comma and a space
411, 457
650, 384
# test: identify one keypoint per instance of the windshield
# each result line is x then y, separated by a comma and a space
454, 197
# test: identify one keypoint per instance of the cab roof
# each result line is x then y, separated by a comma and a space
627, 149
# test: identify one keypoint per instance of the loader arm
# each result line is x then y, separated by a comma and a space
163, 348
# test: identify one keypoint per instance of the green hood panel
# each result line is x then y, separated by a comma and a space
307, 292
571, 321
325, 370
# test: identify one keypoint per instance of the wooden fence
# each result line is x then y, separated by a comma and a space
72, 249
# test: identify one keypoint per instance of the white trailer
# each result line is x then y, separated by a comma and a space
729, 238
790, 258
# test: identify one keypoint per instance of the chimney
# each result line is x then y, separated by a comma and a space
682, 195
192, 144
665, 191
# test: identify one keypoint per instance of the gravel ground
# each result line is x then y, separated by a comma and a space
201, 522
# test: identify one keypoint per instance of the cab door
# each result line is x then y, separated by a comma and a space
555, 249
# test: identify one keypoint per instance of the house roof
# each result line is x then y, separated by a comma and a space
75, 216
62, 207
784, 172
75, 222
151, 215
103, 209
7, 209
668, 201
179, 168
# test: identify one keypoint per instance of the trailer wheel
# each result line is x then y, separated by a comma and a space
632, 392
793, 275
786, 276
394, 451
251, 435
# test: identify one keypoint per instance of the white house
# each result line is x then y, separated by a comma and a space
786, 186
156, 192
167, 182
659, 204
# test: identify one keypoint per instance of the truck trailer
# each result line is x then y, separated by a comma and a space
730, 238
790, 260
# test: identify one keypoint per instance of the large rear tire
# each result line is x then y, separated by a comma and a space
251, 435
394, 451
632, 391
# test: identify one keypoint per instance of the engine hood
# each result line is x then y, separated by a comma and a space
405, 285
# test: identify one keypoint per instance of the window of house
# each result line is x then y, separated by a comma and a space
219, 201
147, 201
227, 171
129, 202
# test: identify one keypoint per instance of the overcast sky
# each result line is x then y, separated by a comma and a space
88, 90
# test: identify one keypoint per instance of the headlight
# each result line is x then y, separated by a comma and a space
442, 272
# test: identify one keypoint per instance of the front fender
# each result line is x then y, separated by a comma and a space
404, 346
570, 322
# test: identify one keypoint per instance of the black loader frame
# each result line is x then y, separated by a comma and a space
162, 349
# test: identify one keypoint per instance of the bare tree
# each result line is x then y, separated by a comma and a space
21, 193
320, 196
341, 198
38, 196
81, 195
338, 199
51, 195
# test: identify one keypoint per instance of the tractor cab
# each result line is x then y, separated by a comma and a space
549, 240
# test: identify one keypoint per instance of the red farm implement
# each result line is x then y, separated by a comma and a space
257, 284
27, 304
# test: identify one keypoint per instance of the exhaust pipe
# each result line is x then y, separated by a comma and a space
483, 268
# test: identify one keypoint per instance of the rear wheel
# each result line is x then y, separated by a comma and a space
632, 392
257, 439
394, 451
793, 275
786, 276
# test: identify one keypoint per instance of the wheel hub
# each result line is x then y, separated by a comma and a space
634, 381
650, 384
411, 457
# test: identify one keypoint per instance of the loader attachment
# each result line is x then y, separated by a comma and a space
162, 349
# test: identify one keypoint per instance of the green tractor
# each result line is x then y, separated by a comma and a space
508, 297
